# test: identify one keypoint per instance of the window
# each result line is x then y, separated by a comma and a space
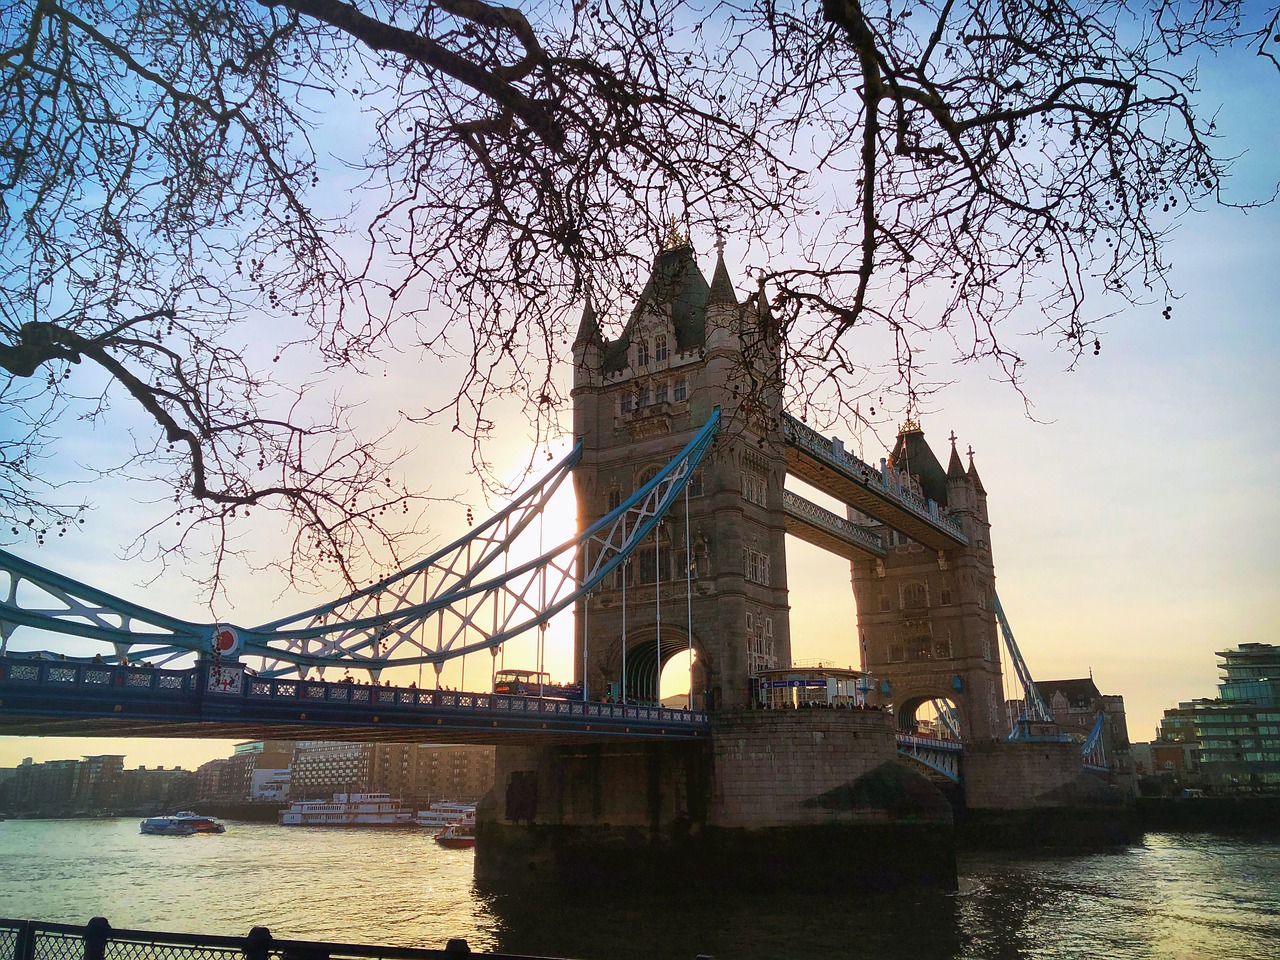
680, 391
914, 596
760, 650
624, 573
896, 653
627, 403
615, 498
660, 349
695, 484
642, 354
755, 566
644, 396
754, 488
920, 649
886, 604
653, 561
946, 597
661, 393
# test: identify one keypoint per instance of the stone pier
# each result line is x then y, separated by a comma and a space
1017, 792
803, 799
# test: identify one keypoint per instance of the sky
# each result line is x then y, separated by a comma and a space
1134, 514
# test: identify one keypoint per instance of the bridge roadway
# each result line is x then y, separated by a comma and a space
63, 698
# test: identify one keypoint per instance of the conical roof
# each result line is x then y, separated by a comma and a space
722, 292
912, 453
955, 469
589, 326
973, 475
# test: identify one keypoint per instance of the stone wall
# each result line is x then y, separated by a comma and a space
778, 768
1020, 793
1014, 775
787, 798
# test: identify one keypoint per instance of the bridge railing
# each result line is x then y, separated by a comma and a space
410, 698
97, 940
52, 677
828, 450
930, 743
825, 519
89, 677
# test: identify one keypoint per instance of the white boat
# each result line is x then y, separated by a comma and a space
444, 813
182, 824
348, 810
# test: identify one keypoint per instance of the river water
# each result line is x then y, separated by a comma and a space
1172, 896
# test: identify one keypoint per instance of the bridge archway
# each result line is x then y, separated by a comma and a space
930, 714
647, 660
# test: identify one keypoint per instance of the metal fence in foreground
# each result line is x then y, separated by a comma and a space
98, 940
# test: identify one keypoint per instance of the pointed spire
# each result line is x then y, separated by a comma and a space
973, 473
722, 292
955, 469
589, 326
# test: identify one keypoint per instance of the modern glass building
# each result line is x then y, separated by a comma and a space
1239, 733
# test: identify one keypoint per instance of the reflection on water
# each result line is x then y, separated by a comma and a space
1173, 896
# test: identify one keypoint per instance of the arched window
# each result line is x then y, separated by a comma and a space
660, 351
921, 648
653, 559
642, 353
914, 596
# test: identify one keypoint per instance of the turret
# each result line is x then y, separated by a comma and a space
980, 493
724, 314
960, 498
588, 347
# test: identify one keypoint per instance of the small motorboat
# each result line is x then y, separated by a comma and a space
182, 824
458, 836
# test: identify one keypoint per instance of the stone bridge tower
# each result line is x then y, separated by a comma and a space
926, 618
687, 348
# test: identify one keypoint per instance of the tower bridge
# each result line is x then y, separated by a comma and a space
680, 473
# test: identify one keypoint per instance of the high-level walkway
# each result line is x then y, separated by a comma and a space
824, 464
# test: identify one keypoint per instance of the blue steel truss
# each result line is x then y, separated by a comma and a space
941, 756
1035, 710
1094, 748
947, 717
467, 597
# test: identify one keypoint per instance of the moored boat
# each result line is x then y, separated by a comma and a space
443, 813
184, 823
348, 810
458, 835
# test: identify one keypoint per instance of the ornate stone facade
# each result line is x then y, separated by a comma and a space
688, 348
